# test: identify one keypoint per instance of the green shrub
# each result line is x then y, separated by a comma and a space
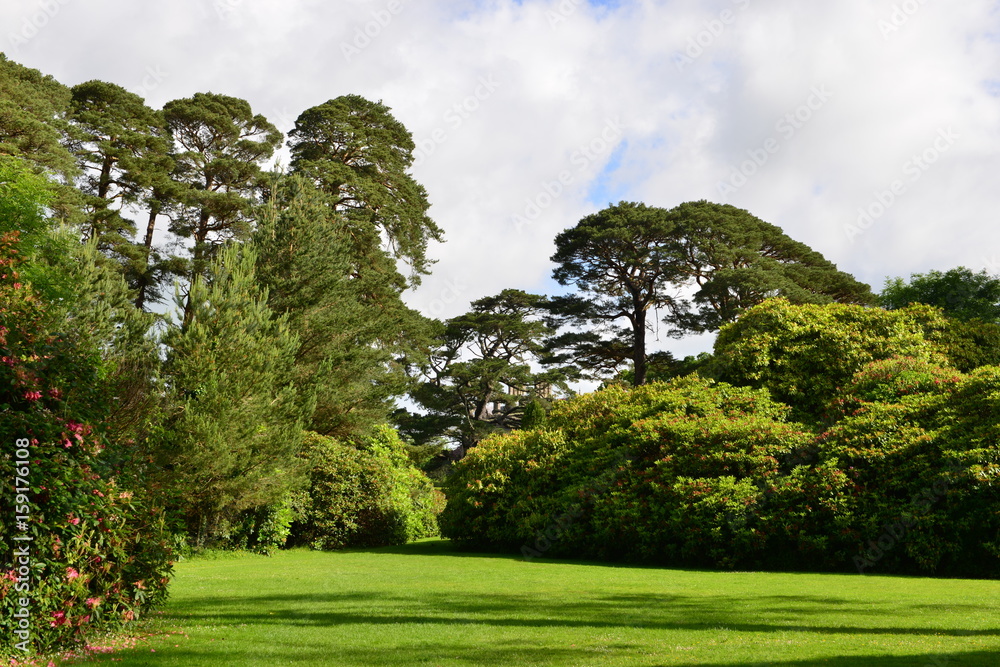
366, 495
805, 354
890, 380
705, 474
634, 474
262, 529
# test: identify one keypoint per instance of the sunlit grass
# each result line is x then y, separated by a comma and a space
426, 605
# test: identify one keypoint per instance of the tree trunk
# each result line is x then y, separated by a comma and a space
154, 210
639, 348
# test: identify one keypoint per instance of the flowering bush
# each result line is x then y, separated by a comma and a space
90, 554
679, 472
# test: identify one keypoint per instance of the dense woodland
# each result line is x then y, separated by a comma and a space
200, 351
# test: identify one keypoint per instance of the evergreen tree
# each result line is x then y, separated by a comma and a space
123, 150
630, 258
352, 326
33, 125
220, 147
735, 260
481, 374
235, 425
623, 261
359, 154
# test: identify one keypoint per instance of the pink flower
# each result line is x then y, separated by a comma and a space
32, 395
71, 573
93, 602
59, 617
74, 520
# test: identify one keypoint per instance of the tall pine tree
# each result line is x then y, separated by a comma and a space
235, 426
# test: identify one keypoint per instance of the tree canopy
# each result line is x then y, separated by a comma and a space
701, 263
959, 292
359, 154
735, 260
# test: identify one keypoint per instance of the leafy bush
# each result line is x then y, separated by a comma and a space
262, 529
663, 473
804, 354
890, 380
699, 473
366, 495
98, 557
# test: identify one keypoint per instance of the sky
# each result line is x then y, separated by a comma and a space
867, 129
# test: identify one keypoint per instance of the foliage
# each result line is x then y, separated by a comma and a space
890, 380
632, 474
33, 126
123, 151
700, 474
262, 529
220, 146
480, 376
629, 259
359, 154
735, 260
921, 451
24, 198
235, 428
98, 557
804, 354
534, 416
959, 293
364, 495
621, 261
969, 344
351, 327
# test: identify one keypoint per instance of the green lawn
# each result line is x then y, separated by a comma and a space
426, 605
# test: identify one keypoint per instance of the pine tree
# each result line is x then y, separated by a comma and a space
123, 150
235, 426
351, 326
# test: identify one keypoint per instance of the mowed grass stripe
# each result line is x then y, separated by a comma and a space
425, 604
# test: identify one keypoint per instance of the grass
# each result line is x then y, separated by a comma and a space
424, 604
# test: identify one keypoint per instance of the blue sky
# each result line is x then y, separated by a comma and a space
808, 115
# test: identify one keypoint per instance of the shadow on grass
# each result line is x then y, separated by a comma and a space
428, 627
434, 653
778, 613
